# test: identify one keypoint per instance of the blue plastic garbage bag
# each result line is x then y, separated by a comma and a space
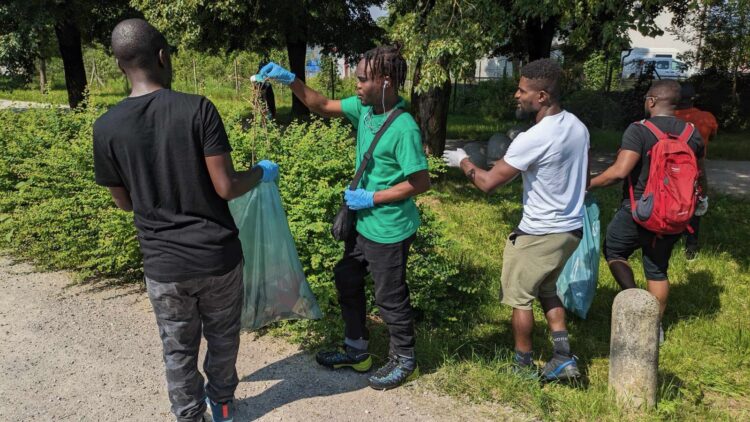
576, 285
275, 285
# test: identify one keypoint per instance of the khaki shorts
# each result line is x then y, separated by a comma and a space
531, 265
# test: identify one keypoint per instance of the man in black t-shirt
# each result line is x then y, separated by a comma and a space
624, 235
165, 156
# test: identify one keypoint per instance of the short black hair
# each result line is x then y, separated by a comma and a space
386, 60
667, 90
135, 43
546, 74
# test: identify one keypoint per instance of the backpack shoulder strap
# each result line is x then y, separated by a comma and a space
652, 127
687, 132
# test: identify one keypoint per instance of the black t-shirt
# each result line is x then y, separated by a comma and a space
640, 139
155, 146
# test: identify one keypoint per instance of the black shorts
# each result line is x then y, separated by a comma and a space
624, 236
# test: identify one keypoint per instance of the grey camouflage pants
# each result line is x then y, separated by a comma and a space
185, 308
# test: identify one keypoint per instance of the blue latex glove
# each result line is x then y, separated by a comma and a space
276, 72
359, 199
270, 170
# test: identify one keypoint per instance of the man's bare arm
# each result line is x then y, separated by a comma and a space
227, 182
121, 196
488, 181
418, 182
315, 101
624, 164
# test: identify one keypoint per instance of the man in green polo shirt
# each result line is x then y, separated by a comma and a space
387, 218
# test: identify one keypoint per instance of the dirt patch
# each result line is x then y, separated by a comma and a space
92, 352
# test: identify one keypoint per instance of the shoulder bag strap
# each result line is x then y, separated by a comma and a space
368, 155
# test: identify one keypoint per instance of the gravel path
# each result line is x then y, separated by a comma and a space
91, 352
22, 105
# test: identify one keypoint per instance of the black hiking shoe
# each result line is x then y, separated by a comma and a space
561, 368
398, 370
345, 357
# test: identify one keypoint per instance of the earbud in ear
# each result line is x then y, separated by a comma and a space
386, 83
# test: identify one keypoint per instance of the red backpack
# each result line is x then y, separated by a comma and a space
668, 201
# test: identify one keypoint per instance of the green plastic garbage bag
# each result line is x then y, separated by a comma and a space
576, 285
275, 285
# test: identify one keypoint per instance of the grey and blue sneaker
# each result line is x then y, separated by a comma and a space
398, 370
526, 370
345, 357
561, 368
221, 412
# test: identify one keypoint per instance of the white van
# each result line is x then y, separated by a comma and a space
663, 68
661, 61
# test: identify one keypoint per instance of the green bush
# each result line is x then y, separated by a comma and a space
50, 209
53, 213
594, 109
492, 98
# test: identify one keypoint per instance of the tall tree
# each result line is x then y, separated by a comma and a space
444, 37
30, 24
261, 25
720, 31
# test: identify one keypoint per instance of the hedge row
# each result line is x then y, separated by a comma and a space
52, 212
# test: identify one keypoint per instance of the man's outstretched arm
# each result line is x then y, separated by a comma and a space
486, 181
623, 165
315, 101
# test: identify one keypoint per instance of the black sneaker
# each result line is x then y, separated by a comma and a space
345, 357
561, 368
398, 370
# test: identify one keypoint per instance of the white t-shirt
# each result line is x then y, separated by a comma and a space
553, 159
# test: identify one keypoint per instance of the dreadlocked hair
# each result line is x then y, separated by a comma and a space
386, 60
546, 74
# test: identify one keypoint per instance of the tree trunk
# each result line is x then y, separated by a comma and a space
42, 75
701, 34
431, 113
69, 41
539, 35
297, 50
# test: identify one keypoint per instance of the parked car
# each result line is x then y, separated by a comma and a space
661, 67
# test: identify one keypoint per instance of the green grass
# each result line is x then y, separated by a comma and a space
703, 365
475, 127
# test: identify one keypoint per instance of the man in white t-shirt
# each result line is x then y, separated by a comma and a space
552, 156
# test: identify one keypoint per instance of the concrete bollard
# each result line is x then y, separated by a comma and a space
634, 348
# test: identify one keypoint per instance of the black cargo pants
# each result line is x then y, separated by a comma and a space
183, 309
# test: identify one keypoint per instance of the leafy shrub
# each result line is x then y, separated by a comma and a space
594, 109
52, 211
493, 98
714, 93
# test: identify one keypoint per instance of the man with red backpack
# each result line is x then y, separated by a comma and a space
660, 161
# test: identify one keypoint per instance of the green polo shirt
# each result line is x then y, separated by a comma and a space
398, 154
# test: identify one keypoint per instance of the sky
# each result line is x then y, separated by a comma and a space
377, 12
